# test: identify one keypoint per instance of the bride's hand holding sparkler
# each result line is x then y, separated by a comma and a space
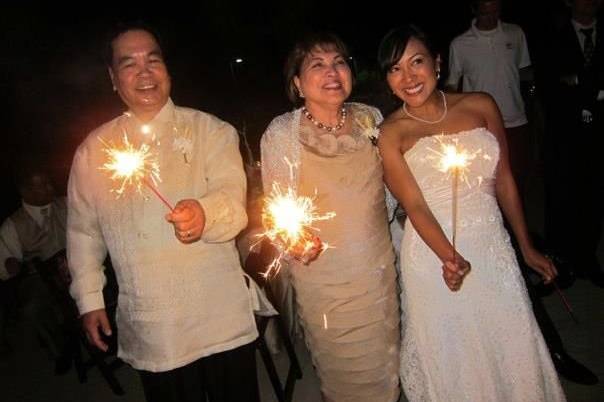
188, 219
454, 272
540, 263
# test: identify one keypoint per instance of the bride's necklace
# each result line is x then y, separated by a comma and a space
441, 118
322, 126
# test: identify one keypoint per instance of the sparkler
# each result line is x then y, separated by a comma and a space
288, 222
556, 260
132, 167
565, 302
454, 160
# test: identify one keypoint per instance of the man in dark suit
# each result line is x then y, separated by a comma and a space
575, 182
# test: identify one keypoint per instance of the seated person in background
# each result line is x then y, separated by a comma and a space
31, 247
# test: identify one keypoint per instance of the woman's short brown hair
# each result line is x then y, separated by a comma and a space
325, 41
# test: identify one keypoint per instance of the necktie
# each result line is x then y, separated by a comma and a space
588, 45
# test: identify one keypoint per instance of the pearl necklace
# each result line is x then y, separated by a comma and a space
322, 126
441, 118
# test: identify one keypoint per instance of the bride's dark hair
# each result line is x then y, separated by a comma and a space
394, 43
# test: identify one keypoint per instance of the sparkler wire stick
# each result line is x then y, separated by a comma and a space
454, 209
565, 302
158, 194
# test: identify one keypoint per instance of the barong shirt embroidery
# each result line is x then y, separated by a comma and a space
177, 302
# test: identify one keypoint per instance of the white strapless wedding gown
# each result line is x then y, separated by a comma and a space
481, 343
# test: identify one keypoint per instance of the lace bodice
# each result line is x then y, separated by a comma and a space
477, 179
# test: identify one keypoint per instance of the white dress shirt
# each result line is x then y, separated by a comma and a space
177, 302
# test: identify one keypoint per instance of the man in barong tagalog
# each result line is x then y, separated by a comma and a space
184, 315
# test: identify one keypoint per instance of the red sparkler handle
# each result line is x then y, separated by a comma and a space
158, 194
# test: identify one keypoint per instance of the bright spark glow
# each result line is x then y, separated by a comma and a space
145, 129
129, 165
287, 219
453, 158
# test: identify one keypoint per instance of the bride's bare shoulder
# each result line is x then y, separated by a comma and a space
397, 131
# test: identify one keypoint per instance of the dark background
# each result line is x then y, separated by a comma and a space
55, 88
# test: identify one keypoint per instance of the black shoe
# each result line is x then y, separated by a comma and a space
62, 364
572, 370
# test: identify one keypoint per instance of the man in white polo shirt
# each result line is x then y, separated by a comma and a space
489, 57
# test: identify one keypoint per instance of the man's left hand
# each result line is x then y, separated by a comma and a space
188, 219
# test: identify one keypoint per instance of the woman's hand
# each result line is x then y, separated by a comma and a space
541, 264
454, 272
308, 252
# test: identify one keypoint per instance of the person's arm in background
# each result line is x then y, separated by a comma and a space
10, 251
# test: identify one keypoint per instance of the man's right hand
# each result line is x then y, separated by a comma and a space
93, 323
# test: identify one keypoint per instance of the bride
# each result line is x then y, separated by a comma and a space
469, 333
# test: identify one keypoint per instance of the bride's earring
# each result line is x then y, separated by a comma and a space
437, 75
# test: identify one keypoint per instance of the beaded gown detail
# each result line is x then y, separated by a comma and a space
481, 343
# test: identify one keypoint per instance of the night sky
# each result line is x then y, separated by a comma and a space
56, 89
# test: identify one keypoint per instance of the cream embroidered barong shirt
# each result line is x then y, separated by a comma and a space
177, 302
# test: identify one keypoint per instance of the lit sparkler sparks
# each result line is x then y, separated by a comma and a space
452, 158
132, 167
287, 219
